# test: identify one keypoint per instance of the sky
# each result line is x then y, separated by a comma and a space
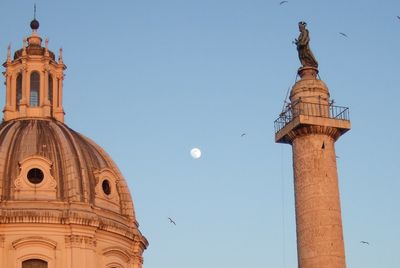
150, 80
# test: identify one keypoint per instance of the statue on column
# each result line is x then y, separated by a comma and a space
306, 57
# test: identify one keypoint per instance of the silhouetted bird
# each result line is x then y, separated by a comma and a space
171, 221
345, 35
364, 242
243, 134
283, 2
398, 17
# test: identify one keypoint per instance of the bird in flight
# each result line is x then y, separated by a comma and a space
171, 221
345, 35
398, 17
364, 242
282, 2
243, 134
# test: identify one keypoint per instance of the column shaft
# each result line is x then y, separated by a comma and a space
318, 217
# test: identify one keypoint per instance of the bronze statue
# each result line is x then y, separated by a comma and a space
306, 57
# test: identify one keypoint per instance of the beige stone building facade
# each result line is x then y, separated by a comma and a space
63, 201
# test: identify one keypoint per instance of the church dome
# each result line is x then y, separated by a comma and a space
63, 201
45, 160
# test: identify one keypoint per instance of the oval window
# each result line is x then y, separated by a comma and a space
35, 176
106, 187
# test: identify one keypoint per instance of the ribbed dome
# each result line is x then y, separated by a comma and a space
63, 201
83, 177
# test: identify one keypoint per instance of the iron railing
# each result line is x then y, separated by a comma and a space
310, 109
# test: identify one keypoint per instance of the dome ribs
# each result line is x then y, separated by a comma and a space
4, 140
74, 160
73, 166
13, 156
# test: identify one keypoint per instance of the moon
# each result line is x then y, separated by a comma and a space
195, 153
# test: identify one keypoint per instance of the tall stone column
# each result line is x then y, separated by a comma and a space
311, 124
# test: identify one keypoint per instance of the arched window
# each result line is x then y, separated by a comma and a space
35, 89
19, 88
50, 89
34, 263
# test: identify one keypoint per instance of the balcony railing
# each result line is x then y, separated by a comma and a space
310, 109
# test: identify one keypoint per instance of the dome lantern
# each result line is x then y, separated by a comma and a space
34, 80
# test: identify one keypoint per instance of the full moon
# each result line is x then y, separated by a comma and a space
195, 153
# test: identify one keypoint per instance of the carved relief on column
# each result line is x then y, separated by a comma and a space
317, 202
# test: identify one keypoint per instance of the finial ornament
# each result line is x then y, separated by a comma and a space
46, 48
34, 22
306, 56
60, 56
9, 53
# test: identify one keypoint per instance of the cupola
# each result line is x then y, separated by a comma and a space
34, 80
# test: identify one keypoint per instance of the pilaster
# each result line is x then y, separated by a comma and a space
81, 250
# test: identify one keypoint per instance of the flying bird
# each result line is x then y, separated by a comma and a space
345, 35
282, 2
364, 242
398, 17
171, 221
243, 134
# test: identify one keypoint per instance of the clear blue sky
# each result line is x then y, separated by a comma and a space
149, 80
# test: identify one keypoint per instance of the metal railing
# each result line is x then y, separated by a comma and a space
310, 109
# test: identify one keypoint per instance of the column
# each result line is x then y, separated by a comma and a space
25, 92
318, 217
45, 98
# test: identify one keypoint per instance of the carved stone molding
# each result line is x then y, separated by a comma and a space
107, 199
332, 132
34, 240
45, 190
80, 241
83, 218
119, 252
